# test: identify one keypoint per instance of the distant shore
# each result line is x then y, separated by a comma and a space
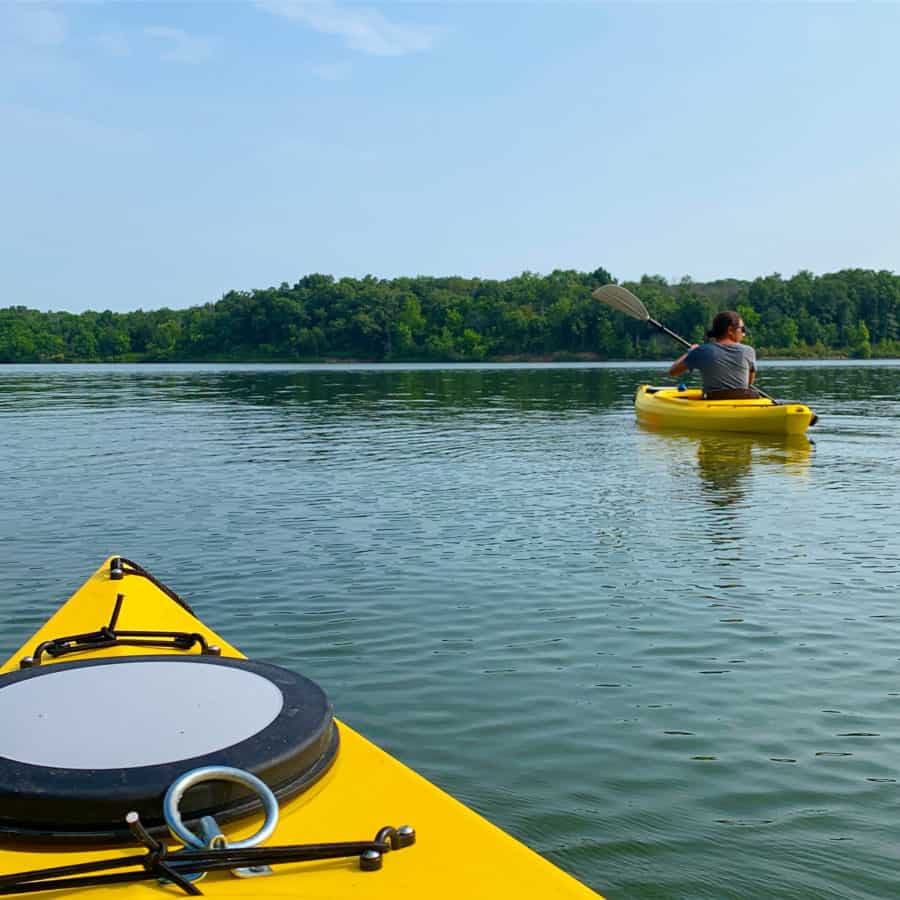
548, 358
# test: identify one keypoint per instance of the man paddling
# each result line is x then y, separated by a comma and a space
727, 366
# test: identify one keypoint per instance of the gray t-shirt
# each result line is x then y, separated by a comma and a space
723, 367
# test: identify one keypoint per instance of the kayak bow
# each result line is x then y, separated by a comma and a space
124, 687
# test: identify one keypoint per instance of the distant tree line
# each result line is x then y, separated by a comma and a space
855, 313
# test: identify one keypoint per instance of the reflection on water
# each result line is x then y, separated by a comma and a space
725, 461
327, 391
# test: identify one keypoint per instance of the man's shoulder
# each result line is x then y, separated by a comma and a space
741, 349
702, 351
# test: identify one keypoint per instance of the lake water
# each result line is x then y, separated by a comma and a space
669, 663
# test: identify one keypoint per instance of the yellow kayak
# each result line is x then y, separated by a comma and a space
671, 408
127, 720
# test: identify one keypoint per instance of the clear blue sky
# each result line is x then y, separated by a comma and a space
160, 154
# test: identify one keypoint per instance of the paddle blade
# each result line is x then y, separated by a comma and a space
623, 300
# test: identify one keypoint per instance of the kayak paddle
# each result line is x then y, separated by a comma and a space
623, 300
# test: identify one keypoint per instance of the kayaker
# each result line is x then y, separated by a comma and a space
727, 366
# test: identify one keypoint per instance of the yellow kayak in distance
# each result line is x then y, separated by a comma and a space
658, 407
125, 719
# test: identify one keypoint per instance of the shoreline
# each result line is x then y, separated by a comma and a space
547, 358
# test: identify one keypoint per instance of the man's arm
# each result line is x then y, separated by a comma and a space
680, 366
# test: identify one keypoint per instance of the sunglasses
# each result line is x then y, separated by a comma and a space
741, 328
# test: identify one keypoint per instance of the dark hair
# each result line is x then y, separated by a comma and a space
722, 322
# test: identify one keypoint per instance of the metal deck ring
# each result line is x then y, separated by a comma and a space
181, 785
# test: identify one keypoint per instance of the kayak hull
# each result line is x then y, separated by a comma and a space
457, 853
687, 410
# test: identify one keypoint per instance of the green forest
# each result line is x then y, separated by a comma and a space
852, 313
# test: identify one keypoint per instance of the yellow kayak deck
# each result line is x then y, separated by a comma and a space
457, 854
671, 408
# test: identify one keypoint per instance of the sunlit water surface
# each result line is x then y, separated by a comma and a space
668, 662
